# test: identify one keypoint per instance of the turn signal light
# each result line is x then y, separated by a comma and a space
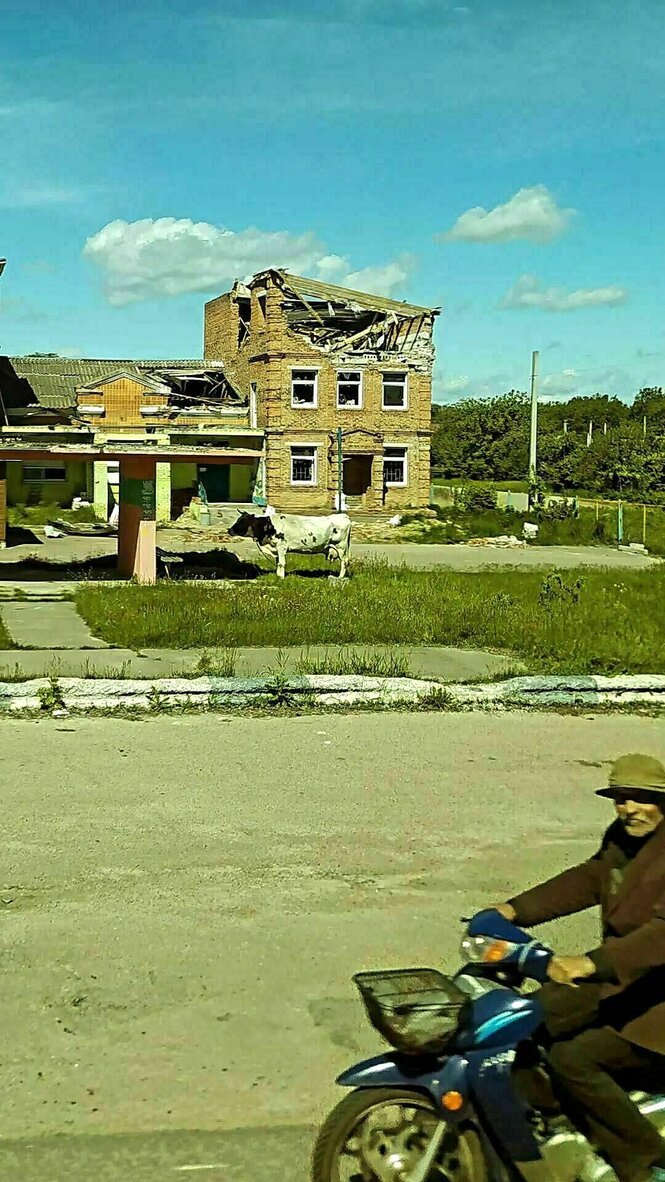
452, 1101
496, 952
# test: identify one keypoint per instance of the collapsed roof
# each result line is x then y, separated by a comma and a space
50, 382
341, 320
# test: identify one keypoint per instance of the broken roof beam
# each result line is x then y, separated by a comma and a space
302, 299
377, 326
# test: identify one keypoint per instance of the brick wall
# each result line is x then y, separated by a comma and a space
220, 341
122, 400
267, 359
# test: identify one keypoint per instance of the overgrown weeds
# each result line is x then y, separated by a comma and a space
351, 662
221, 663
50, 696
6, 641
615, 625
44, 511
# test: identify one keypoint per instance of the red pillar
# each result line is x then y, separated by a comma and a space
137, 526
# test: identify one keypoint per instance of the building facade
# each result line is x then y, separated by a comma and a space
319, 395
339, 381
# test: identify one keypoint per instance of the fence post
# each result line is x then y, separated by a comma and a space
620, 523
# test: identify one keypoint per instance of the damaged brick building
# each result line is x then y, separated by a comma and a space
300, 382
314, 358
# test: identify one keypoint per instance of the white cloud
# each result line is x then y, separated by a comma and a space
33, 196
528, 292
565, 382
456, 385
532, 215
158, 257
382, 280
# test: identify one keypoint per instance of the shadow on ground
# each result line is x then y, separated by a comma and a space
20, 535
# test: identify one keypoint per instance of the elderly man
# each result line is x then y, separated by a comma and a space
605, 1010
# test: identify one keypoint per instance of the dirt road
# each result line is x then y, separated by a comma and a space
184, 902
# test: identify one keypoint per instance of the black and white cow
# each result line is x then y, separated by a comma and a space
278, 533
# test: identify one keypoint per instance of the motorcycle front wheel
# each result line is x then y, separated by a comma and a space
381, 1134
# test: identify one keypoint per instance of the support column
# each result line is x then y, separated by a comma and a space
3, 505
163, 492
100, 490
137, 527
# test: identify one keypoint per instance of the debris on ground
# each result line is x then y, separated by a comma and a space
79, 529
502, 540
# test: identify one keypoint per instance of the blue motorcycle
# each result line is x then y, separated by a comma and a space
465, 1096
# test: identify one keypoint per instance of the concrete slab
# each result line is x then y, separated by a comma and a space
440, 664
44, 625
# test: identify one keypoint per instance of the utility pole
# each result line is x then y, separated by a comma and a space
589, 434
644, 426
534, 417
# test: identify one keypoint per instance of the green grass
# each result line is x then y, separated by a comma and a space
588, 529
616, 625
6, 641
37, 515
351, 661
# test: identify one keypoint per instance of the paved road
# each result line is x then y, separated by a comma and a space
470, 558
184, 902
62, 552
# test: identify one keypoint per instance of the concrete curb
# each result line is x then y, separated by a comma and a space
76, 693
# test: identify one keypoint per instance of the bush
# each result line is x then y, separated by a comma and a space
474, 499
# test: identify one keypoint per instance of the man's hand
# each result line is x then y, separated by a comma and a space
568, 970
505, 909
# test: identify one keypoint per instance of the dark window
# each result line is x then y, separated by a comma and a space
303, 465
349, 388
394, 466
244, 318
394, 391
304, 387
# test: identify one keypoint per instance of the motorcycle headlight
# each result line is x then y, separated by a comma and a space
485, 949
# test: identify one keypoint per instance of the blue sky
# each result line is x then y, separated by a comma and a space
499, 158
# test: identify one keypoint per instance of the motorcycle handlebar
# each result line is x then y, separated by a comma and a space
501, 944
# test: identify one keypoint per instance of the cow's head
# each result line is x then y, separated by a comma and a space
248, 524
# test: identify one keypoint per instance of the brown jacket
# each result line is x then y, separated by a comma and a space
631, 959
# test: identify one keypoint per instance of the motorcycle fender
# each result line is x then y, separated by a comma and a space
379, 1072
388, 1071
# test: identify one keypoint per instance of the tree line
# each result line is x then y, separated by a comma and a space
597, 443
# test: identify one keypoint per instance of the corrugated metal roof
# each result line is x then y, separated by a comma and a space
314, 289
55, 380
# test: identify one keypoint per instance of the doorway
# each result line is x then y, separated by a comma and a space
216, 480
357, 475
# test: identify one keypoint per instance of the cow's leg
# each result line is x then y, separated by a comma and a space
281, 559
344, 561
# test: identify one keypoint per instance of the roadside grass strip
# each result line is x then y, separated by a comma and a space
573, 622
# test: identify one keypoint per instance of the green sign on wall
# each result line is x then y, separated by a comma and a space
142, 494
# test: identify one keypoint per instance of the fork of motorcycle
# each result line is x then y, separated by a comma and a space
419, 1174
